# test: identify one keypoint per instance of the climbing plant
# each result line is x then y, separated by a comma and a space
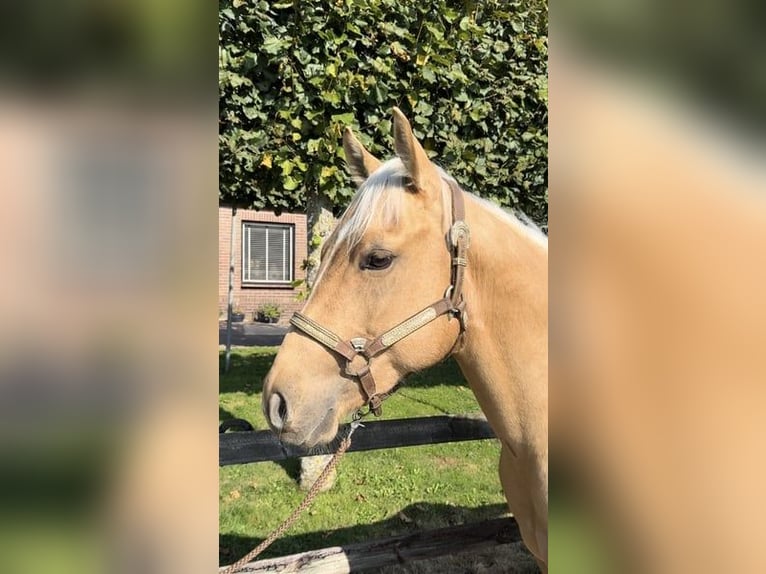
471, 77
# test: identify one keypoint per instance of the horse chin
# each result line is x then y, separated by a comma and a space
322, 438
326, 431
323, 433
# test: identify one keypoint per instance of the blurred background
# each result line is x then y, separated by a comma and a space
658, 315
108, 171
108, 132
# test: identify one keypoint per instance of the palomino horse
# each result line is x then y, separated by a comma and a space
371, 317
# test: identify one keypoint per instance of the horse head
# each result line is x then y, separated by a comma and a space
384, 303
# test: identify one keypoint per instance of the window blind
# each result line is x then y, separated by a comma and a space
267, 253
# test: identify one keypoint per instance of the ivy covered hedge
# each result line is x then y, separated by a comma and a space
471, 76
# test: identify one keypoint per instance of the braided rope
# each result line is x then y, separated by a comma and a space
290, 520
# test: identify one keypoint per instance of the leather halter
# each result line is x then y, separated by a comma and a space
359, 351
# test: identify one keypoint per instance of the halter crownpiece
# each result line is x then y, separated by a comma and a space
359, 351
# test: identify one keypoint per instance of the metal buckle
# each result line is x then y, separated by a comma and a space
460, 231
359, 343
359, 415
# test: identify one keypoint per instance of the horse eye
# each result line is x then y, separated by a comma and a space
378, 260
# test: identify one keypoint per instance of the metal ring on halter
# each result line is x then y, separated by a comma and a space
358, 372
447, 295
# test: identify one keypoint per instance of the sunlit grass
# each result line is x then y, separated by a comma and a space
378, 493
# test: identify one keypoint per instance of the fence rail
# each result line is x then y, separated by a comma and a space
261, 446
248, 446
396, 550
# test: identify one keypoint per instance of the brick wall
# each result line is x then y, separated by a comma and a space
250, 298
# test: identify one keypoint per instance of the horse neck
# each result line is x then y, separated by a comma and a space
505, 352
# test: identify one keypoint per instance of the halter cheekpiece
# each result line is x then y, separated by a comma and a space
359, 351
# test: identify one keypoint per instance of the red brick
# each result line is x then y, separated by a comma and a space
250, 299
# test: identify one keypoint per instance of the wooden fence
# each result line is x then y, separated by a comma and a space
249, 446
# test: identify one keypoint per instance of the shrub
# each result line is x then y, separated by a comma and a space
472, 78
269, 311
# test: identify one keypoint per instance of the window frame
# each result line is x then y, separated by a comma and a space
291, 253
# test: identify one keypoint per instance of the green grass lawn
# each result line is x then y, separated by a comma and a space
377, 494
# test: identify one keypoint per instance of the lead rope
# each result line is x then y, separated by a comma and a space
310, 496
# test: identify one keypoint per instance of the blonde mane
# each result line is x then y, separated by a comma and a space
517, 219
381, 196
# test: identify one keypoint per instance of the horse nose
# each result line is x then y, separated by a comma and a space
277, 411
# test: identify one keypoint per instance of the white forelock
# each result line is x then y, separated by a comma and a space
381, 196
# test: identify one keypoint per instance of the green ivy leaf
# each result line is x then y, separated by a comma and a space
272, 45
289, 183
472, 78
343, 119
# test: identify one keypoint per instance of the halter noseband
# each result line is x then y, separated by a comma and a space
359, 351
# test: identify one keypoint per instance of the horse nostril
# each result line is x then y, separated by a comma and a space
277, 411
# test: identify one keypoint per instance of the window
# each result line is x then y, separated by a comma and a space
267, 253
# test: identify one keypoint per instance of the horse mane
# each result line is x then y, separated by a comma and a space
381, 195
517, 219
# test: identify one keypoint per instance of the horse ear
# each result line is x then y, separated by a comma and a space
361, 163
413, 156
